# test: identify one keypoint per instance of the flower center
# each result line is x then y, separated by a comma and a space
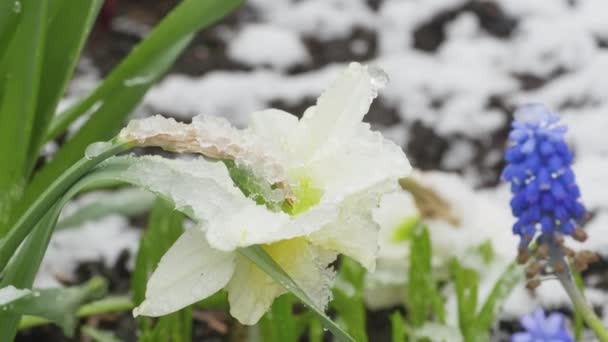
306, 194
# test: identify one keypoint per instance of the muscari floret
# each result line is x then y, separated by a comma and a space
545, 194
539, 327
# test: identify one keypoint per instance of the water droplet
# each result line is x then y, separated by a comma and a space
17, 7
95, 149
378, 77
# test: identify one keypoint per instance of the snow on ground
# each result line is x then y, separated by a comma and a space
457, 68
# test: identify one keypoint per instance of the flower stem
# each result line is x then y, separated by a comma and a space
581, 305
27, 221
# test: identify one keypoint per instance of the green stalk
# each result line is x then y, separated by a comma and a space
25, 224
581, 305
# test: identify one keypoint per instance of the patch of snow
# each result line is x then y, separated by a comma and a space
101, 240
264, 44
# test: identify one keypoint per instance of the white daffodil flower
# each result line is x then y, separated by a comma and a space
302, 189
476, 218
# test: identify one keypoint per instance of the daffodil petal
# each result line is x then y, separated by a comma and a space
201, 188
190, 271
251, 292
276, 127
254, 225
359, 164
355, 227
338, 112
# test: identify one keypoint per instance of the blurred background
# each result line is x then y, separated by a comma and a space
457, 68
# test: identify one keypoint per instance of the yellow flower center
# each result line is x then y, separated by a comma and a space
306, 195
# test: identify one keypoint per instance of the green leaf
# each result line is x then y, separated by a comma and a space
278, 324
66, 34
397, 327
99, 335
106, 305
126, 202
175, 327
258, 256
348, 298
58, 305
123, 89
421, 291
23, 265
54, 193
20, 81
466, 284
512, 276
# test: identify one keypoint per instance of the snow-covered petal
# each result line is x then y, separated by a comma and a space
254, 224
333, 121
206, 192
210, 136
251, 292
358, 164
190, 271
355, 233
200, 188
276, 127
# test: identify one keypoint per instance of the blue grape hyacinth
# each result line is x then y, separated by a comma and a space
545, 194
540, 328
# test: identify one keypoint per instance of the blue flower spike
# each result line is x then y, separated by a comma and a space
546, 197
541, 328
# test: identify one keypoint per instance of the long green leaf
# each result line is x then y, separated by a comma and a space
119, 94
99, 335
466, 283
145, 63
109, 304
512, 276
23, 266
127, 202
50, 196
58, 305
279, 323
20, 78
422, 294
348, 298
66, 34
397, 327
258, 256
